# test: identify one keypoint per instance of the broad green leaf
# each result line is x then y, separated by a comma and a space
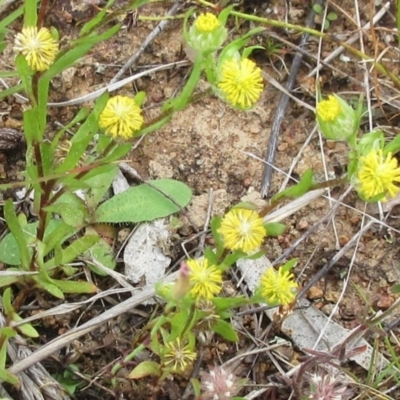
75, 287
18, 234
145, 368
73, 215
8, 280
275, 229
26, 329
8, 332
226, 330
99, 184
143, 203
74, 250
9, 250
103, 254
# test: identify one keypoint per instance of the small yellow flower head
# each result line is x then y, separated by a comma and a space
206, 34
121, 117
38, 47
278, 287
241, 82
206, 280
242, 230
177, 356
206, 23
336, 119
329, 109
376, 175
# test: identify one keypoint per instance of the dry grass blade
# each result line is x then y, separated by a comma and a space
87, 327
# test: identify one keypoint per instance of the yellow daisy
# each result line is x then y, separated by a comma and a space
206, 23
241, 82
377, 174
121, 117
328, 109
242, 230
178, 356
38, 47
278, 287
205, 280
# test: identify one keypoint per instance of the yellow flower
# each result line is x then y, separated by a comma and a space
241, 82
278, 287
206, 280
206, 23
121, 117
38, 47
178, 356
243, 230
329, 109
376, 174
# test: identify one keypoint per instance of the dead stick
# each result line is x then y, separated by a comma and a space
280, 112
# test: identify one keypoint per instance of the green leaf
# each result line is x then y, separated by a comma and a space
43, 281
97, 19
8, 280
75, 287
7, 19
332, 16
74, 215
395, 288
145, 368
219, 240
143, 203
18, 233
33, 133
317, 8
227, 303
25, 73
226, 330
26, 329
55, 237
9, 250
99, 182
75, 249
103, 254
117, 153
289, 264
8, 332
178, 323
6, 376
7, 306
275, 229
299, 189
30, 13
10, 91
